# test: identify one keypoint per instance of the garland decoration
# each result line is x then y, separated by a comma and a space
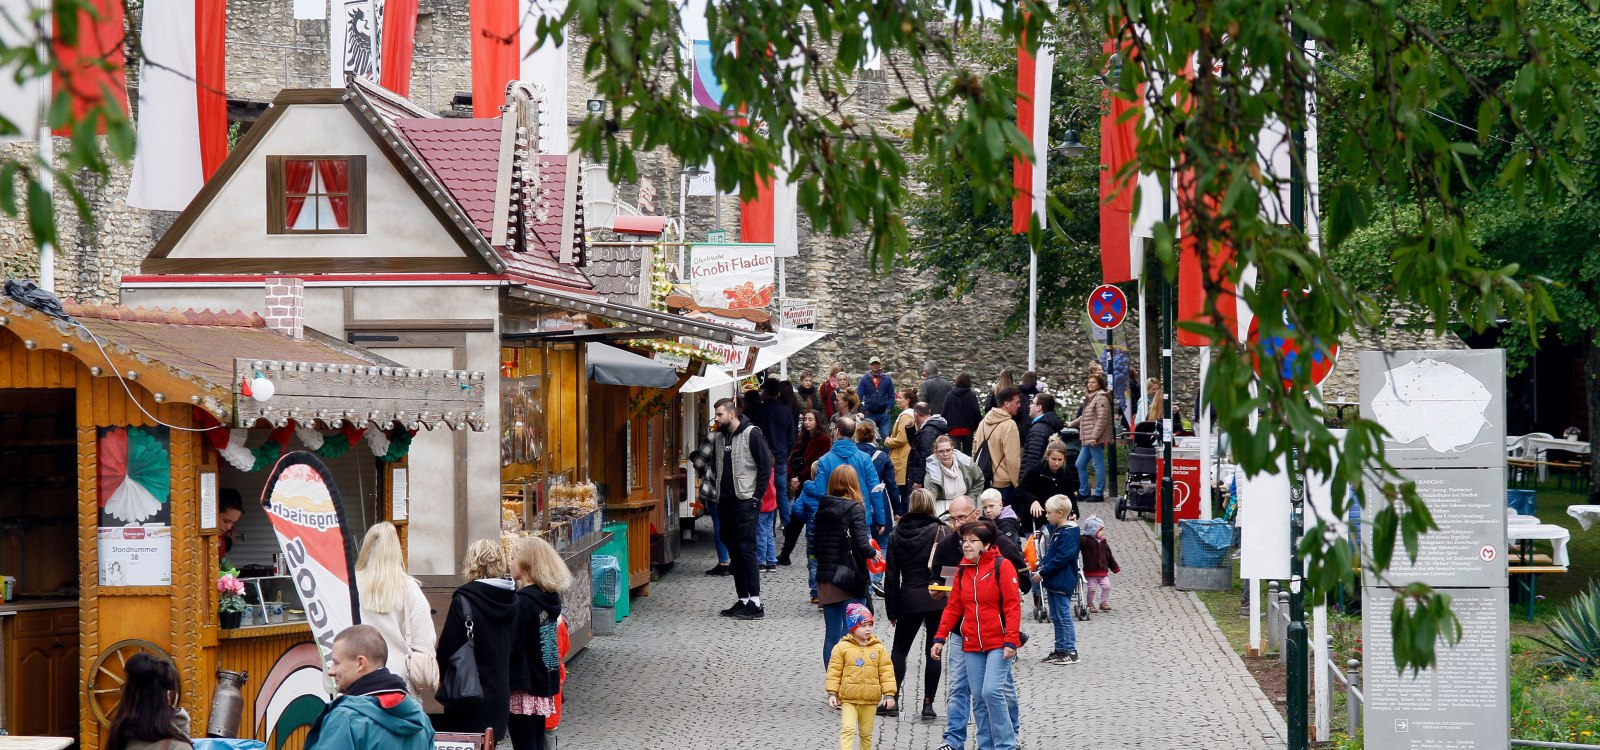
230, 443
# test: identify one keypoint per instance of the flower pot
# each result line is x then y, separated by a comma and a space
230, 620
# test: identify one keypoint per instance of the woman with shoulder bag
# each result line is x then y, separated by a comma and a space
843, 548
476, 643
536, 659
392, 602
906, 600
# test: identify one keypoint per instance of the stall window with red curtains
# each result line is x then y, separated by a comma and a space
316, 194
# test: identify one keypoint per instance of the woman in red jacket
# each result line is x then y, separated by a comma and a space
813, 443
986, 604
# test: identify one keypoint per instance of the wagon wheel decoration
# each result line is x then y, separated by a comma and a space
108, 674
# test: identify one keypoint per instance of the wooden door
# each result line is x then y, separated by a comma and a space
31, 663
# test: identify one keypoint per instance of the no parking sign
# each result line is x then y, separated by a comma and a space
1108, 307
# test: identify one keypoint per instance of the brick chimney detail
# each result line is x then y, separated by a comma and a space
285, 309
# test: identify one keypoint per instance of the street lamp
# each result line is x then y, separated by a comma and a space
1072, 146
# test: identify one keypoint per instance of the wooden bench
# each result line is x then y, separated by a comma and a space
1529, 585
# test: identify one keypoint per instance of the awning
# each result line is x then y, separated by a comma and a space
649, 323
790, 342
613, 366
646, 225
714, 377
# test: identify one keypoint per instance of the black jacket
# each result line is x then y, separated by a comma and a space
1027, 403
933, 392
777, 424
948, 555
494, 619
836, 549
1040, 483
905, 584
922, 448
961, 410
1047, 426
536, 610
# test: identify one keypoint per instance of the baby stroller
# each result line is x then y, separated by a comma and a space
1141, 495
1038, 543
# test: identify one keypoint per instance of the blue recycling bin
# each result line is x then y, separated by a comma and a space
1522, 501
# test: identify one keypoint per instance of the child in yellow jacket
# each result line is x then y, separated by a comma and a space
860, 674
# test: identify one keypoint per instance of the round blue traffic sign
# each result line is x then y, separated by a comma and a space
1108, 307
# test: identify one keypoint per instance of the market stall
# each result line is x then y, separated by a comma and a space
122, 431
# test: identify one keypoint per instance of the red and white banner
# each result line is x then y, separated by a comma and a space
183, 103
399, 36
303, 504
89, 67
1121, 259
504, 35
1033, 119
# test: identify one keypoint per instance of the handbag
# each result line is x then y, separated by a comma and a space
460, 680
422, 670
847, 577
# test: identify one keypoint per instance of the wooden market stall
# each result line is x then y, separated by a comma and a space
110, 427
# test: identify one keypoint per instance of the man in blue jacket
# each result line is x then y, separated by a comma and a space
373, 709
876, 390
843, 452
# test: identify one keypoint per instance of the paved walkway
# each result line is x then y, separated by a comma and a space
1156, 673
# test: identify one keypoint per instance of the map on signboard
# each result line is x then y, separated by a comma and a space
1408, 405
1442, 408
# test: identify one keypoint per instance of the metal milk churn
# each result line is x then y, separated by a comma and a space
227, 704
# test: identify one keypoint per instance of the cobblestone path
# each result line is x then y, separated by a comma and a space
1155, 674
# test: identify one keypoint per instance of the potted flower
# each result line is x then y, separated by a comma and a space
230, 603
1571, 433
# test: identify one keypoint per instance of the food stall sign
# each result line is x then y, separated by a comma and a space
734, 276
797, 313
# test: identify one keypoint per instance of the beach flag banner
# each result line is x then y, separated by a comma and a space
302, 501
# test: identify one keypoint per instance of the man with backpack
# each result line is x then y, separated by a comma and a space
997, 444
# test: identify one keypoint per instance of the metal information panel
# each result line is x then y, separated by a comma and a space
1444, 408
1461, 703
1445, 412
1469, 548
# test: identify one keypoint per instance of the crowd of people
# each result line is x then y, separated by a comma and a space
495, 666
946, 507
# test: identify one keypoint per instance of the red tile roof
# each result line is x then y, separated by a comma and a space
463, 154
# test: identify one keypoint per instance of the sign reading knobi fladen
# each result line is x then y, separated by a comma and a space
1445, 414
302, 502
732, 276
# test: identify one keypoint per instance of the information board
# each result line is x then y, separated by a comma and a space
1441, 408
1459, 704
1468, 548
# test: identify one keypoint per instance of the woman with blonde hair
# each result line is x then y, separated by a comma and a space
907, 603
535, 660
843, 548
392, 602
486, 605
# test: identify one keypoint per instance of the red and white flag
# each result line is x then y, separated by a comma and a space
183, 102
1121, 259
1033, 119
88, 68
504, 35
399, 36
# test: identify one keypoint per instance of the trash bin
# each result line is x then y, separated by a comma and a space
1522, 501
1203, 555
618, 548
607, 580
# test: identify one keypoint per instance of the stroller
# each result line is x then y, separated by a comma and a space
1141, 495
1038, 543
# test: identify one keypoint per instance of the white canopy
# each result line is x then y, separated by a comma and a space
791, 341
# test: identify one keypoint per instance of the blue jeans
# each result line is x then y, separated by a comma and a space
958, 698
1061, 618
716, 534
989, 677
780, 482
1098, 453
833, 625
766, 546
883, 422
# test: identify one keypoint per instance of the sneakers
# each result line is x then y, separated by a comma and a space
734, 610
1052, 657
948, 747
1069, 657
750, 612
927, 710
721, 569
783, 559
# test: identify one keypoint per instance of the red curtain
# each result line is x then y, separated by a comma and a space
211, 81
336, 179
494, 54
399, 36
90, 65
296, 179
